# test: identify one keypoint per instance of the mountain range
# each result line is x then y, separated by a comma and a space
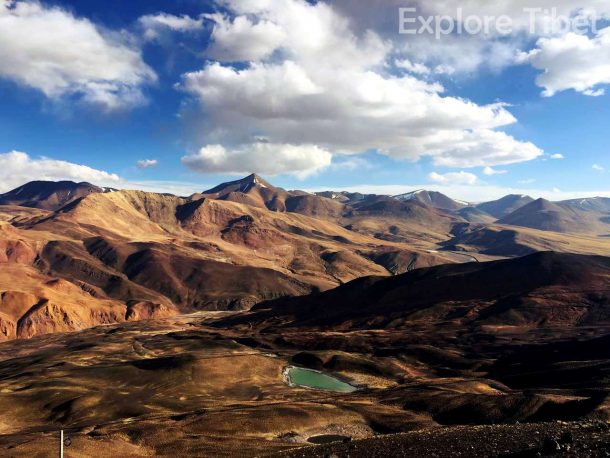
78, 255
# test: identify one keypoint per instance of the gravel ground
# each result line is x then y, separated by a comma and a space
577, 439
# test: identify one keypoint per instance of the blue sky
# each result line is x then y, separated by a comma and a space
310, 95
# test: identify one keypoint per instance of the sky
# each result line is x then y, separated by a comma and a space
383, 96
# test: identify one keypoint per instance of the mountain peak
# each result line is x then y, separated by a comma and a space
254, 179
505, 206
432, 198
242, 185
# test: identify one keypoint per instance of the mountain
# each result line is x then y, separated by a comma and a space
475, 215
377, 216
408, 221
251, 190
342, 197
141, 254
48, 195
542, 288
563, 217
504, 206
433, 199
545, 215
255, 191
592, 204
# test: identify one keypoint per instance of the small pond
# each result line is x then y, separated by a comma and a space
308, 378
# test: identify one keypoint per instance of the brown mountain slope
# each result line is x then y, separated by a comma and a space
32, 303
559, 217
504, 206
543, 288
158, 254
433, 199
225, 231
475, 215
255, 191
400, 221
509, 241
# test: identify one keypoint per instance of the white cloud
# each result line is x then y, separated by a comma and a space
557, 156
147, 163
453, 178
464, 53
155, 25
461, 54
243, 40
263, 158
17, 168
49, 49
489, 171
327, 85
480, 148
572, 61
417, 68
599, 168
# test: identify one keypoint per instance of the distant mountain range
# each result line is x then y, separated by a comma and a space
587, 215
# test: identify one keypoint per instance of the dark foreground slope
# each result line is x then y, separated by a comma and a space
538, 290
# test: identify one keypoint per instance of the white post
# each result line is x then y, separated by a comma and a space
61, 444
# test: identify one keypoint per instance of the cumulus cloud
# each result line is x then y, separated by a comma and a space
481, 148
557, 156
147, 163
599, 168
155, 24
264, 158
51, 50
465, 53
572, 61
17, 168
243, 40
454, 178
332, 89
